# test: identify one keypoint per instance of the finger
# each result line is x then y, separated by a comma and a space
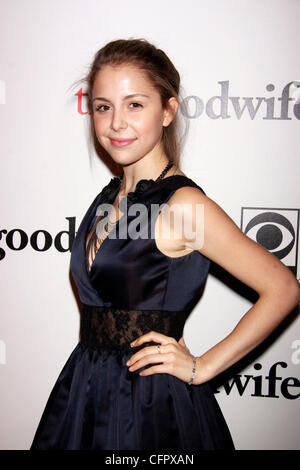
149, 359
153, 336
143, 352
166, 358
159, 369
151, 350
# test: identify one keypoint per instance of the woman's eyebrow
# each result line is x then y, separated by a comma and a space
125, 97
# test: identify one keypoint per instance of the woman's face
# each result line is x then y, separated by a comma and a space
127, 108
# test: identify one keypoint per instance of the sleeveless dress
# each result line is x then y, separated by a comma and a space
132, 288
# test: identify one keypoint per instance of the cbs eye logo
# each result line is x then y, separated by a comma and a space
274, 229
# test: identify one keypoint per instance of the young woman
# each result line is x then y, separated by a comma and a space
141, 287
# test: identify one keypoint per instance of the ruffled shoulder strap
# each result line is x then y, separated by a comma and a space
179, 181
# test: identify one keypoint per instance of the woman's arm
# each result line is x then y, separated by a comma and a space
225, 244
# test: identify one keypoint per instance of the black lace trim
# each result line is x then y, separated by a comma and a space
107, 195
114, 329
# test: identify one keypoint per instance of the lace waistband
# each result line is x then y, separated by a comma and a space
114, 328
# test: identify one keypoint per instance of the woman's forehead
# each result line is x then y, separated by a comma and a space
122, 77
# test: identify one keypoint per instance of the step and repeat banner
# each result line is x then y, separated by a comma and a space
239, 65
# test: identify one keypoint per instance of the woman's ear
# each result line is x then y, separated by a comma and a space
170, 111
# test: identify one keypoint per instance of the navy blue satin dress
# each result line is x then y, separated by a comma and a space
132, 288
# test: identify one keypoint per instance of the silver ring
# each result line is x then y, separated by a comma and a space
158, 347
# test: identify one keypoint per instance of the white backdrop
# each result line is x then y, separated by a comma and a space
240, 160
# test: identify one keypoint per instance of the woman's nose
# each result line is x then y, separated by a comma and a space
118, 120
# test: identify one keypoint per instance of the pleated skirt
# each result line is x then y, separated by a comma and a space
98, 404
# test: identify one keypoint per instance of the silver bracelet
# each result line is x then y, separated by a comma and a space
193, 372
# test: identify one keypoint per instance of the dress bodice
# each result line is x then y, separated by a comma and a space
132, 273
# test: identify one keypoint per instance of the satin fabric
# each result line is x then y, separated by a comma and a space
96, 402
134, 274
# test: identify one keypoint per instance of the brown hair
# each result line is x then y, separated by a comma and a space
160, 71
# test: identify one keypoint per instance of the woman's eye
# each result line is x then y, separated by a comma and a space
137, 105
98, 108
102, 107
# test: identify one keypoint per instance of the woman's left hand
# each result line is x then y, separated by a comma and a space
174, 356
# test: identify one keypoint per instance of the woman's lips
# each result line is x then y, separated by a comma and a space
121, 143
